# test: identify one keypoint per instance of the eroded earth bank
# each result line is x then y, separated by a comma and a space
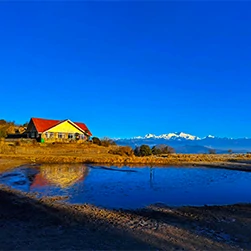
28, 223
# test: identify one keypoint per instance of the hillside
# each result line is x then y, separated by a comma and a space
9, 128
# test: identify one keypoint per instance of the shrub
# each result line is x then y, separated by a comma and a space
212, 151
3, 122
107, 142
156, 150
3, 133
122, 151
162, 149
168, 149
96, 141
136, 151
18, 143
34, 142
143, 150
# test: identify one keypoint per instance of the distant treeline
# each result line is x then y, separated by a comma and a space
143, 150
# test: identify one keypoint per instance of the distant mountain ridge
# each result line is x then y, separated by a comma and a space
187, 143
176, 135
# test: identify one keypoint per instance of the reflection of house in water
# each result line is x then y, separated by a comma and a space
61, 175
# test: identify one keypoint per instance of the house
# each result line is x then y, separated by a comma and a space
47, 130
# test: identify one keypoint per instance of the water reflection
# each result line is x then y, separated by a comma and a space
63, 175
20, 178
127, 187
30, 178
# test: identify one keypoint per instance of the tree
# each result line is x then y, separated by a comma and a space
96, 141
168, 149
156, 150
230, 151
107, 142
26, 124
122, 151
145, 150
3, 122
3, 133
212, 151
137, 151
162, 149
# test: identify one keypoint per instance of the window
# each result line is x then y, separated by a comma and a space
77, 136
70, 136
82, 136
33, 135
49, 135
60, 135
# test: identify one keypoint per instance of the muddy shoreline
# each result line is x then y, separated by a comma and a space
29, 223
48, 223
7, 162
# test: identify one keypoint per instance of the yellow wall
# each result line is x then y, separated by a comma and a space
65, 127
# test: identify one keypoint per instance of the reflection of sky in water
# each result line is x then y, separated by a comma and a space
173, 186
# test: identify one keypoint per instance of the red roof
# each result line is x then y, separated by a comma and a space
39, 181
83, 127
45, 124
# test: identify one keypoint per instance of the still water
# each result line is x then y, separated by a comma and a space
137, 187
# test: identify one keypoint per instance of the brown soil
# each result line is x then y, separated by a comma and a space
28, 223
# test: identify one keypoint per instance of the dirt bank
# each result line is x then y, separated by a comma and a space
8, 163
32, 224
241, 164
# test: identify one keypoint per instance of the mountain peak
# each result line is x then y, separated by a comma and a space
187, 143
171, 136
210, 136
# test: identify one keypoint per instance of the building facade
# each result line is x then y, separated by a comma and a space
47, 130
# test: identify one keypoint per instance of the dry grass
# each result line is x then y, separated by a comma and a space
6, 164
91, 153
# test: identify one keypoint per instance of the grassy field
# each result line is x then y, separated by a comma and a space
91, 153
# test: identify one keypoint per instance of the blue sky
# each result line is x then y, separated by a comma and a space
129, 68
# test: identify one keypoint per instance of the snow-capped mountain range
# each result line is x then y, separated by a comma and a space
184, 142
176, 135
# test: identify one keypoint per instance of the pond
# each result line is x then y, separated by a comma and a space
133, 187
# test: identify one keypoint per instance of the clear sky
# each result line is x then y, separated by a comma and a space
129, 68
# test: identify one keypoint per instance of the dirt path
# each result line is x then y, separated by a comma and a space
27, 223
